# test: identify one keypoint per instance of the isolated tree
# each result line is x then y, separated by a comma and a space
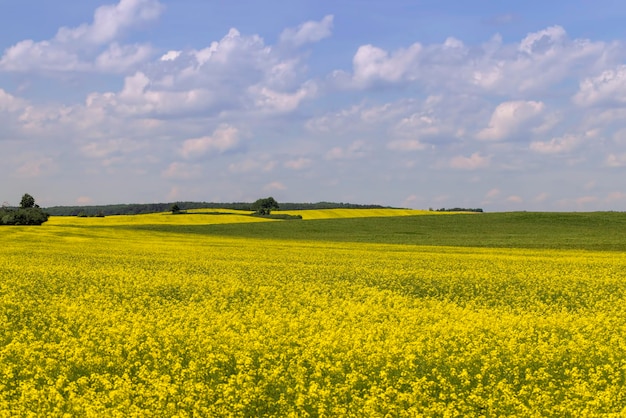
27, 201
175, 208
265, 206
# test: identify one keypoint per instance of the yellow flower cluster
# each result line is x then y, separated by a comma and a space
101, 320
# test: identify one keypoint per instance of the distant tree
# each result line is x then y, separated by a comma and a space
27, 201
175, 208
265, 206
27, 214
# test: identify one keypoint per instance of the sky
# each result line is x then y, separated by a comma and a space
493, 104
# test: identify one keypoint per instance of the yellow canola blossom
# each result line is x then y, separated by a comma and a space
358, 213
100, 320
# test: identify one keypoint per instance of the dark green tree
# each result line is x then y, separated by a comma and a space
175, 208
27, 201
265, 206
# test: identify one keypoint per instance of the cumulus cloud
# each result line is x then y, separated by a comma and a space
182, 171
111, 20
35, 167
270, 100
555, 145
274, 186
224, 138
79, 48
606, 88
514, 199
251, 165
358, 117
308, 32
10, 103
358, 149
543, 58
120, 58
543, 40
299, 163
171, 55
237, 72
406, 145
509, 118
140, 97
616, 197
473, 162
373, 64
616, 160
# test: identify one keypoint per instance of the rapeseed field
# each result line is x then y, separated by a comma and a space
136, 316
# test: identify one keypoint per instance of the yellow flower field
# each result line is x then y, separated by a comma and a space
103, 320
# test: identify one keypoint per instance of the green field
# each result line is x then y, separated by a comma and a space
344, 313
590, 231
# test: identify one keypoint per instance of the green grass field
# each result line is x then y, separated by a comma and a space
368, 313
590, 231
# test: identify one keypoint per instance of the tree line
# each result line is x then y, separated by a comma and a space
140, 208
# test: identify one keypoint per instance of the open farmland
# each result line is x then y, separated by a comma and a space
400, 313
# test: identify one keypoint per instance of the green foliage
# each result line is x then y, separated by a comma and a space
175, 208
265, 206
457, 209
27, 201
282, 216
27, 214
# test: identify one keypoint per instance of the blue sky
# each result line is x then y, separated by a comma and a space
502, 105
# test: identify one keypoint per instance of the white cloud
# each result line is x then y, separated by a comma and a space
373, 64
406, 145
510, 118
308, 32
35, 167
171, 55
10, 103
514, 199
358, 149
419, 124
555, 145
539, 60
118, 59
607, 88
100, 149
274, 186
182, 171
74, 49
616, 160
584, 200
252, 164
616, 197
28, 56
273, 101
140, 97
111, 20
544, 40
224, 138
299, 163
358, 117
473, 162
